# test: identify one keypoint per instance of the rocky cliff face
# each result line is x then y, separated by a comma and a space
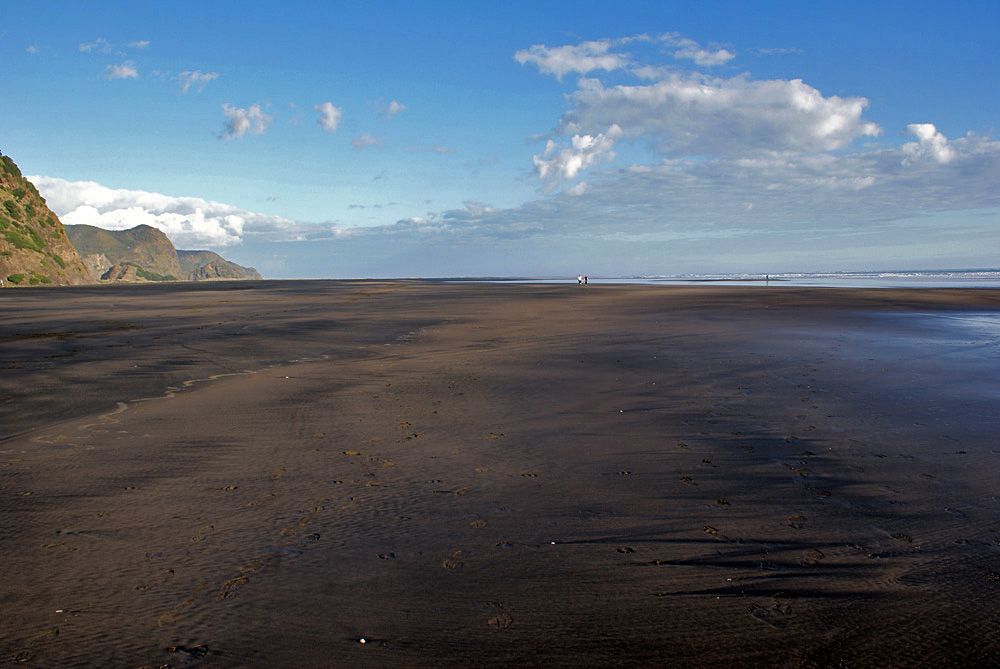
142, 246
34, 249
143, 253
206, 265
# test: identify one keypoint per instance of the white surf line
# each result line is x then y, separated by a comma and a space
112, 417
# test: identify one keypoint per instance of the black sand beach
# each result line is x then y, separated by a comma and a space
262, 474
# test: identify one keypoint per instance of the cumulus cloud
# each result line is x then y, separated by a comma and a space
32, 49
195, 79
688, 49
581, 58
693, 114
99, 45
553, 163
394, 107
329, 116
930, 144
187, 221
239, 121
124, 70
139, 44
363, 141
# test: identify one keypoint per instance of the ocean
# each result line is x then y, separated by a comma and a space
939, 278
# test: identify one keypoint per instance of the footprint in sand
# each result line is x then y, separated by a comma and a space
34, 642
625, 550
501, 621
191, 651
812, 557
452, 563
529, 475
772, 615
478, 523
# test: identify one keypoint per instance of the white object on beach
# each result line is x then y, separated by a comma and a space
362, 639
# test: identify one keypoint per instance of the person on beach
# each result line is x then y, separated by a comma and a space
585, 279
579, 279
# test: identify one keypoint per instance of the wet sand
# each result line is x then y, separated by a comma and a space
261, 474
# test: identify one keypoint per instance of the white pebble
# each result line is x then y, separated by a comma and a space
362, 639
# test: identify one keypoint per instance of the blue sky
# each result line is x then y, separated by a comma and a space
526, 139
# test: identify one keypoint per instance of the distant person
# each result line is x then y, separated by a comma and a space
579, 279
585, 279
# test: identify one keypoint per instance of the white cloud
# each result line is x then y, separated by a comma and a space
239, 121
693, 114
329, 116
195, 79
124, 70
778, 51
139, 44
582, 58
99, 45
394, 107
553, 163
930, 143
820, 200
688, 49
187, 221
33, 49
363, 141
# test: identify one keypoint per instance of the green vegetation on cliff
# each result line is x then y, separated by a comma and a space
34, 249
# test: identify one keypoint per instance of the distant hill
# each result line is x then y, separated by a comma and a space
144, 253
143, 246
206, 265
34, 249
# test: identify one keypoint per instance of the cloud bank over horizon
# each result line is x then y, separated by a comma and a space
187, 221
